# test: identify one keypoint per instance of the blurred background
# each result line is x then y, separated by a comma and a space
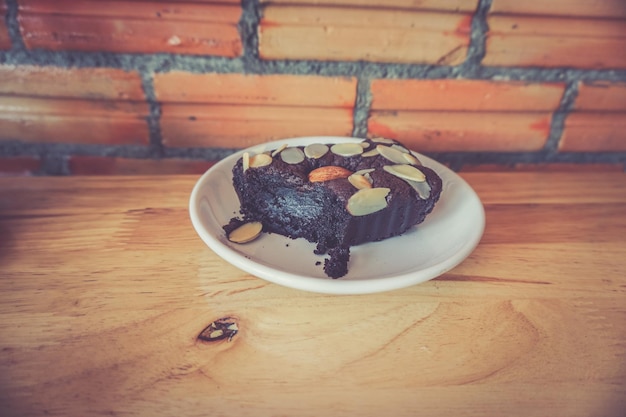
99, 87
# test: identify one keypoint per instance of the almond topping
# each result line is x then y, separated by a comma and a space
371, 152
328, 173
406, 172
383, 140
246, 161
411, 159
359, 181
260, 160
367, 201
421, 188
279, 150
400, 148
391, 154
315, 150
292, 156
245, 233
347, 149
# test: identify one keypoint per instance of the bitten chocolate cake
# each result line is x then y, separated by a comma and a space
335, 195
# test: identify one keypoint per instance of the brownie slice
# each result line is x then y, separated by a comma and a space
281, 196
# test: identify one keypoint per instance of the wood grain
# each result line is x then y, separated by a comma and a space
105, 287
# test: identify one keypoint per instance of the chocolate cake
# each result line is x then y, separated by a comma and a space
335, 195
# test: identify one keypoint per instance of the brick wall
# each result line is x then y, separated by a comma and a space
161, 87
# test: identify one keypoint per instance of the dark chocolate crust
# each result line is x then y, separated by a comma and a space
282, 198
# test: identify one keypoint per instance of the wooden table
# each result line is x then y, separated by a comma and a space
105, 288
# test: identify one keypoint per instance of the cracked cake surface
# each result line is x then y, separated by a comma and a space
335, 195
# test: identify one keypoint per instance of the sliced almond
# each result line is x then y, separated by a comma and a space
292, 156
245, 233
369, 153
315, 150
421, 188
411, 159
246, 161
406, 172
328, 173
347, 149
279, 150
365, 171
367, 201
391, 154
260, 160
364, 145
383, 140
400, 148
359, 181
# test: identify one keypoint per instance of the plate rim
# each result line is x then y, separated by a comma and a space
330, 286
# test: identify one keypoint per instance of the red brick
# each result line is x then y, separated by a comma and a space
19, 165
464, 115
100, 165
460, 95
84, 83
544, 167
243, 126
5, 41
580, 8
447, 5
72, 121
426, 131
235, 111
361, 33
598, 123
555, 42
271, 90
131, 26
51, 104
594, 132
601, 96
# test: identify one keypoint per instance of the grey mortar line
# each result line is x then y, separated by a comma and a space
362, 107
154, 116
204, 154
55, 165
248, 33
559, 116
19, 148
478, 38
17, 43
458, 160
165, 62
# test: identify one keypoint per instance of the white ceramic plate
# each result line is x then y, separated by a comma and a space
447, 236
